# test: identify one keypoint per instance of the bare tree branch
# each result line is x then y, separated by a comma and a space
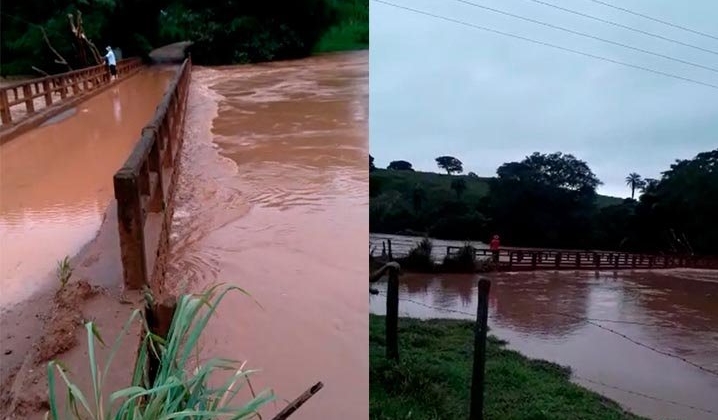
41, 71
60, 58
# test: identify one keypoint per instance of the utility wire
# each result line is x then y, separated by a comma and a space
630, 28
585, 35
640, 394
558, 47
654, 19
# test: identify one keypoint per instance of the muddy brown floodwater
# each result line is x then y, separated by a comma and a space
55, 187
565, 318
272, 197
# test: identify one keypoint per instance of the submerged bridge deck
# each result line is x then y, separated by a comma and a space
532, 259
59, 159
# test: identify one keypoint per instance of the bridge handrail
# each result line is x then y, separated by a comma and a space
532, 257
81, 80
124, 61
144, 184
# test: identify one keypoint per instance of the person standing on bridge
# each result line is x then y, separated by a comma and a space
111, 63
495, 246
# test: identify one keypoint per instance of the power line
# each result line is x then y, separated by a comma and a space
583, 34
630, 28
558, 47
654, 19
640, 394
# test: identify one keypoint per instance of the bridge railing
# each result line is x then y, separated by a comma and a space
515, 259
144, 187
20, 100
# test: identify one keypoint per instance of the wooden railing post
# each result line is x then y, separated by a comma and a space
5, 115
48, 93
154, 159
392, 315
63, 87
29, 102
391, 255
130, 219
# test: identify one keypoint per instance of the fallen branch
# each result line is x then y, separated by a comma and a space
43, 72
60, 58
294, 405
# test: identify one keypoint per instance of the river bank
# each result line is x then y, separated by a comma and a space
432, 380
622, 333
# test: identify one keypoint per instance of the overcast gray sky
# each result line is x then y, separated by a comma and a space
438, 88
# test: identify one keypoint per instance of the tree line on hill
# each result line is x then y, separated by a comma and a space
550, 200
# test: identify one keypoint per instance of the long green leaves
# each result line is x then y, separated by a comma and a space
176, 391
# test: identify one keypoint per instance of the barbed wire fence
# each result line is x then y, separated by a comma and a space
595, 322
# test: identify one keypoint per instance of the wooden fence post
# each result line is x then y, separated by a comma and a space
391, 256
392, 315
159, 317
476, 411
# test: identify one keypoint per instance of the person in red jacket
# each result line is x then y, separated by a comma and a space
494, 246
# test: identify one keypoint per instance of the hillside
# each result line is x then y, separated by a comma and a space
440, 184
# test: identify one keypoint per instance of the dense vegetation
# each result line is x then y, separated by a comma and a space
433, 378
550, 200
224, 32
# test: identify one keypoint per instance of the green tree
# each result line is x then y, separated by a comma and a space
400, 165
678, 212
450, 164
544, 200
634, 181
371, 163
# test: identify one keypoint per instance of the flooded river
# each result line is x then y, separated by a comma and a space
56, 180
272, 197
655, 320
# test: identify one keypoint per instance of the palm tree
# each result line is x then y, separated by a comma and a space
634, 181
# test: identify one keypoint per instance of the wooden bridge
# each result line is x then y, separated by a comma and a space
516, 259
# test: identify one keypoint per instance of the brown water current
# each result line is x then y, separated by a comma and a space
56, 180
655, 320
272, 197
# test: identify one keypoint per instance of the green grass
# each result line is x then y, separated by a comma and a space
436, 184
433, 379
177, 391
352, 30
